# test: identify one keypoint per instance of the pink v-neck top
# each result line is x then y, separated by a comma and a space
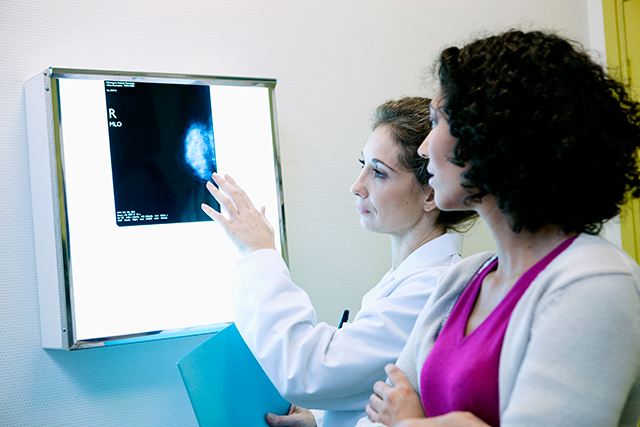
461, 372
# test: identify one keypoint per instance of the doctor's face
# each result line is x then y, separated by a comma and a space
388, 196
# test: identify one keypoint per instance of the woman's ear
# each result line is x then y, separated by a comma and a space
429, 202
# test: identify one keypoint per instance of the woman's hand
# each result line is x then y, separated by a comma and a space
297, 417
247, 228
452, 419
391, 405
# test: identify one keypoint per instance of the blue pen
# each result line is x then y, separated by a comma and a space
345, 317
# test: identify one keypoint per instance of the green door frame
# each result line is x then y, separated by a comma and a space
623, 61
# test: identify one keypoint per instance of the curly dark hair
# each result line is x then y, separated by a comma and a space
409, 123
543, 128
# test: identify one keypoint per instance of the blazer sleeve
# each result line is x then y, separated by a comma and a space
581, 363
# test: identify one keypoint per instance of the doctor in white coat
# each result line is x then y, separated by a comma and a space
315, 365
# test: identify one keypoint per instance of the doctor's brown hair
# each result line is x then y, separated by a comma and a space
408, 122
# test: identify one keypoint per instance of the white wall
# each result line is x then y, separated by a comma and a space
335, 60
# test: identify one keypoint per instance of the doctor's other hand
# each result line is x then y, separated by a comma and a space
247, 228
390, 405
297, 417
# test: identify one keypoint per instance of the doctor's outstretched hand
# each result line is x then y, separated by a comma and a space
246, 227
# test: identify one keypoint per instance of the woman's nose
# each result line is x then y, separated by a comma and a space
358, 188
423, 149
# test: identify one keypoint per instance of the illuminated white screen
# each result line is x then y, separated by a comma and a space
155, 276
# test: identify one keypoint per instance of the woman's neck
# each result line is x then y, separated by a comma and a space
404, 245
517, 252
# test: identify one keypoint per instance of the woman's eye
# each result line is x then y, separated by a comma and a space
361, 162
378, 174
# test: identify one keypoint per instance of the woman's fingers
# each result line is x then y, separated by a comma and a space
382, 389
396, 376
372, 413
376, 402
391, 404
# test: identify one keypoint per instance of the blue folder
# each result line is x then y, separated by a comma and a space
226, 384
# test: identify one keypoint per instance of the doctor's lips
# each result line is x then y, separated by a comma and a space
362, 211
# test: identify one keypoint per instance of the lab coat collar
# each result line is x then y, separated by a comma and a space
431, 253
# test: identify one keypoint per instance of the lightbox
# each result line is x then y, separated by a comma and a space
119, 162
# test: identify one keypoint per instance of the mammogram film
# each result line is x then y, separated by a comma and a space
162, 151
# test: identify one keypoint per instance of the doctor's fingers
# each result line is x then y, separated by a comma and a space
223, 200
233, 192
297, 417
263, 216
214, 215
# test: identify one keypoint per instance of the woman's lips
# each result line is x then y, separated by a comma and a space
362, 211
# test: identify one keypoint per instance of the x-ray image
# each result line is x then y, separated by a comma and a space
162, 151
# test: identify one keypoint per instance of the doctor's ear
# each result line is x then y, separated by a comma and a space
429, 203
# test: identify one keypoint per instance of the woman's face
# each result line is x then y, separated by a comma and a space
388, 196
446, 177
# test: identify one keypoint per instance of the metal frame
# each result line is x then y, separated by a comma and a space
50, 82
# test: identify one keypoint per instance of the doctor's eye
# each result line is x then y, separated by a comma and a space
378, 173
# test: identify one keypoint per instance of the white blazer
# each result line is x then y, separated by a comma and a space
315, 365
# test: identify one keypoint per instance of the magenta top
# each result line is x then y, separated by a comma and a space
461, 372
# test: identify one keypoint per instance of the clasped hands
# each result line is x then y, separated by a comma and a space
391, 404
247, 228
399, 405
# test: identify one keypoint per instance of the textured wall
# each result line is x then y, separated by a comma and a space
335, 60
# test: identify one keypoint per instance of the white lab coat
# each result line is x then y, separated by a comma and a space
315, 365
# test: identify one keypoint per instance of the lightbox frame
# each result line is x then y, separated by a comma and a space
51, 232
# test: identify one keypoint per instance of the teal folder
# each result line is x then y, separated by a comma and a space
226, 384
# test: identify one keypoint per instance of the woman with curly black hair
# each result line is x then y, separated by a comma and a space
533, 135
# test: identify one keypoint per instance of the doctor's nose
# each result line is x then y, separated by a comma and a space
423, 149
358, 188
